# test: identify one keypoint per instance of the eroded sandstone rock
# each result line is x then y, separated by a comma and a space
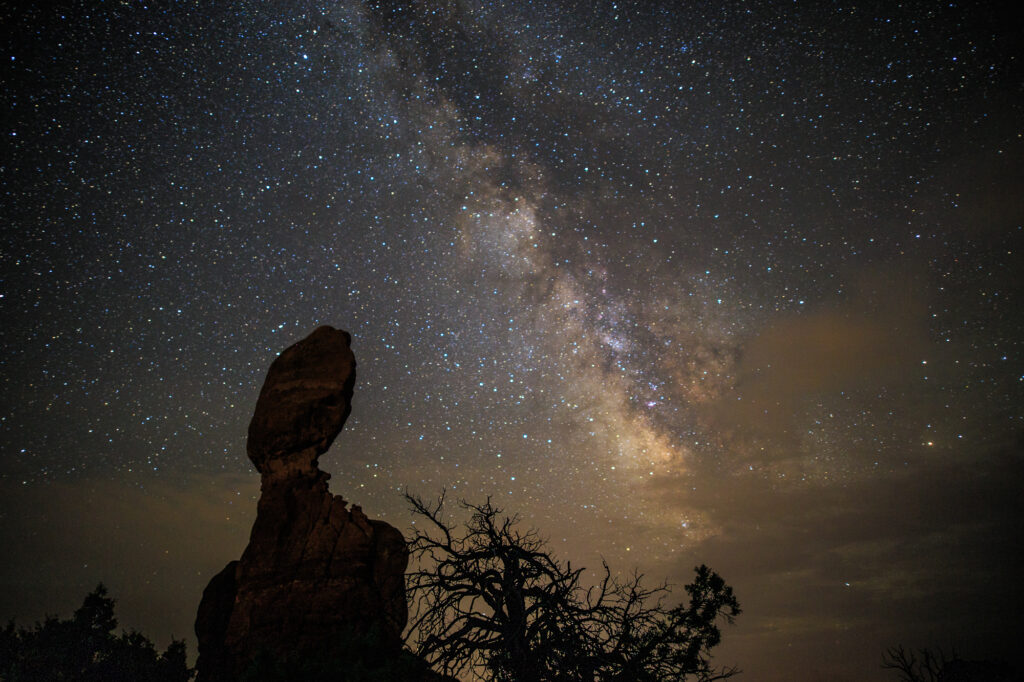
303, 405
316, 575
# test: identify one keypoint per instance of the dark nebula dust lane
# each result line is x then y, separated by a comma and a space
679, 282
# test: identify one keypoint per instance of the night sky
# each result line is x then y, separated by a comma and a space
733, 282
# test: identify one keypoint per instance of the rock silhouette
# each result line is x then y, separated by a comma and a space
303, 405
316, 575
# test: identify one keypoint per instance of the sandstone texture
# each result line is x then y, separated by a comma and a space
304, 402
317, 575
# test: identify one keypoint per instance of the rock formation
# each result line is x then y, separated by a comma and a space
316, 575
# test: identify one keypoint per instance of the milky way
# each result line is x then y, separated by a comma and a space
728, 282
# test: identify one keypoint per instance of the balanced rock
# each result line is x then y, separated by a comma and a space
317, 576
304, 402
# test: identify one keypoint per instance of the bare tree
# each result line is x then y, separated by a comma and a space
926, 665
491, 601
923, 666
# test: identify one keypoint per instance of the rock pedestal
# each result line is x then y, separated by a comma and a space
316, 575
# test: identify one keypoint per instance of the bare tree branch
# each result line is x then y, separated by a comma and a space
927, 668
490, 601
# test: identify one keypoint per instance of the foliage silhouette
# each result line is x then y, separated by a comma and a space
491, 601
85, 649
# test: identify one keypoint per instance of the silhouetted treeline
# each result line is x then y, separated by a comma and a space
84, 648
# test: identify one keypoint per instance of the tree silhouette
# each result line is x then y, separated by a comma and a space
927, 665
85, 649
491, 601
922, 666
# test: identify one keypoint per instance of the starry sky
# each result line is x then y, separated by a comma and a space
679, 282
